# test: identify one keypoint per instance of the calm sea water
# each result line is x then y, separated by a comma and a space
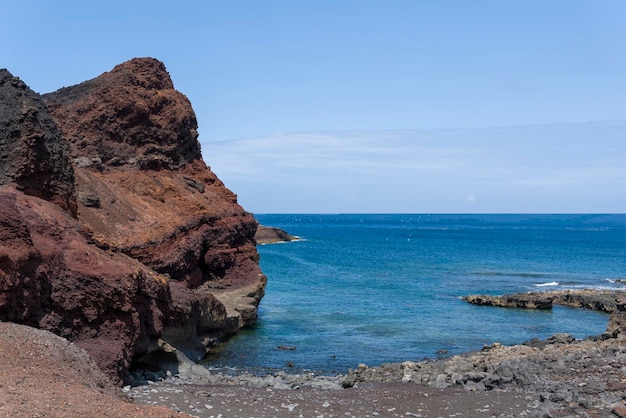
383, 288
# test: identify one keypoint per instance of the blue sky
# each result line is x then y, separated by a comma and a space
337, 79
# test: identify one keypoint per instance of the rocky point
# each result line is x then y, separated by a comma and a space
115, 234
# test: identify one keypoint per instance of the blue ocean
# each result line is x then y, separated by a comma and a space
386, 288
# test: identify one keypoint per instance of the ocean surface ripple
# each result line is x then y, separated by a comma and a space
384, 288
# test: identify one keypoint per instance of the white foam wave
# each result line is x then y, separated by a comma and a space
547, 284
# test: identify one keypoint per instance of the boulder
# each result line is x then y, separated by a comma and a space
616, 327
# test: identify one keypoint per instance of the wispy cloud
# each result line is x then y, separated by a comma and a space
549, 168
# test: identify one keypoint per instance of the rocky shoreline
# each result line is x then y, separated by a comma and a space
556, 377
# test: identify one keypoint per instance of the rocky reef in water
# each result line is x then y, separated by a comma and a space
114, 233
598, 300
272, 235
572, 377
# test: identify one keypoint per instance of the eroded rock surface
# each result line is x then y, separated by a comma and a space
271, 235
160, 249
34, 157
599, 300
52, 277
570, 377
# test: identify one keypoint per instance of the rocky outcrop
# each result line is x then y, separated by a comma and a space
569, 376
145, 246
271, 235
609, 301
129, 116
617, 322
53, 277
599, 300
33, 156
517, 300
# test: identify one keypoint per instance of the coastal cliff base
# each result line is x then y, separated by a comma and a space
556, 377
575, 378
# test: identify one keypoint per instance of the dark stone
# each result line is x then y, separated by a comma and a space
270, 235
34, 157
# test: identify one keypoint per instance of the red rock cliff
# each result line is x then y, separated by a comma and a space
160, 249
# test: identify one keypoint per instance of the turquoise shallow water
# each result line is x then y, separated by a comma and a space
382, 288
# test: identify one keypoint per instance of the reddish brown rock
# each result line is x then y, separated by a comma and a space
145, 189
129, 116
160, 251
52, 277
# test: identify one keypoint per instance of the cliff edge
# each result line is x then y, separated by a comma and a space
115, 233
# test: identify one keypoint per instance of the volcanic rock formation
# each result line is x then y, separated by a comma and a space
114, 232
272, 235
33, 156
599, 300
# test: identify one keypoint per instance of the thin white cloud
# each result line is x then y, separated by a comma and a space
560, 168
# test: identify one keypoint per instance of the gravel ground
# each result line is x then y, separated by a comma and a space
44, 375
364, 400
559, 377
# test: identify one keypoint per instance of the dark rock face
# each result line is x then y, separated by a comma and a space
598, 300
270, 235
160, 249
33, 156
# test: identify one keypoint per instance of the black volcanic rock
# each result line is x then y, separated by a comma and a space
270, 235
33, 155
598, 300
